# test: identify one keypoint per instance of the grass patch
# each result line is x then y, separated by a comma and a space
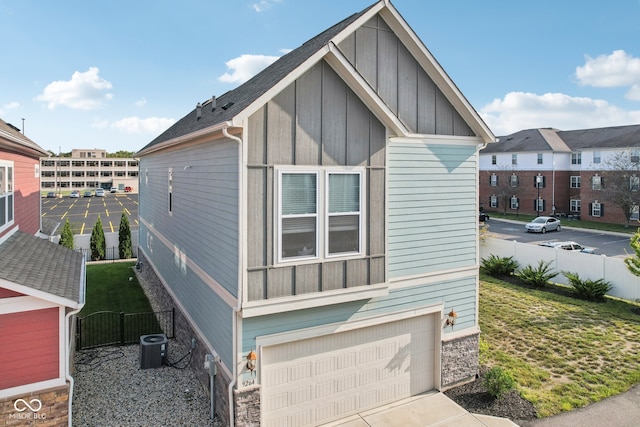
564, 353
116, 310
109, 289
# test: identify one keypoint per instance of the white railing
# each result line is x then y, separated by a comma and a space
588, 266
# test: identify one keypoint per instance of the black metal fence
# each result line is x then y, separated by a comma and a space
110, 254
104, 328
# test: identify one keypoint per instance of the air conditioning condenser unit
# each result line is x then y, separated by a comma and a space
153, 350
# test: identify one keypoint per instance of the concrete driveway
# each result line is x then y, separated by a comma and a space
429, 409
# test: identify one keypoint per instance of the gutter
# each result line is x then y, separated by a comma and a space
67, 330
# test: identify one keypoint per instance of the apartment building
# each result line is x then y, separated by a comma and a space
565, 173
88, 169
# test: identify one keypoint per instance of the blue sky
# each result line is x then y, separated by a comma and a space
114, 74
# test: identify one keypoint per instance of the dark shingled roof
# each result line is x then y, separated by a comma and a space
609, 137
241, 97
42, 265
524, 140
576, 140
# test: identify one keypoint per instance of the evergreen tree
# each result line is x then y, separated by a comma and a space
98, 243
66, 238
124, 238
633, 262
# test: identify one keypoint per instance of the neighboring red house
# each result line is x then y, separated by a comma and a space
42, 286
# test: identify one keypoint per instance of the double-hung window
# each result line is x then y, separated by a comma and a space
320, 213
6, 193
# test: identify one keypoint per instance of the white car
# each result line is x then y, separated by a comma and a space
100, 192
569, 246
542, 224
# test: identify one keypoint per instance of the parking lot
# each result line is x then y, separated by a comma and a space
83, 212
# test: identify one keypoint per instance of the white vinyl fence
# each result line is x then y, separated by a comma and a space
587, 266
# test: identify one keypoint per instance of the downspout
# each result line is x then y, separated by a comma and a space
238, 306
67, 330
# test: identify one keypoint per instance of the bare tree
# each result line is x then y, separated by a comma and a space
621, 175
506, 185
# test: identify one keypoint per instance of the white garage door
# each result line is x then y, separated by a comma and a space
317, 380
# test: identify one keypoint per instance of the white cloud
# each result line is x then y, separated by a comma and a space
263, 5
245, 66
85, 91
142, 102
616, 70
520, 110
150, 125
10, 106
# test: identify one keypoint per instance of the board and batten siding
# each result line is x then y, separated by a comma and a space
388, 66
201, 230
315, 121
432, 208
459, 294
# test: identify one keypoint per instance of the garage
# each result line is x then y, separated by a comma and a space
317, 380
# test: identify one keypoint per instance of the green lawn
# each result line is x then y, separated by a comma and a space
116, 310
563, 352
109, 289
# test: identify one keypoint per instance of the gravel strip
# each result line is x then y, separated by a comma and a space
111, 390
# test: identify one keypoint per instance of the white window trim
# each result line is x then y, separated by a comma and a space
4, 193
598, 209
322, 214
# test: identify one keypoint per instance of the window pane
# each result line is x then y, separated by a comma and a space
3, 210
298, 193
3, 184
298, 237
10, 208
344, 193
344, 234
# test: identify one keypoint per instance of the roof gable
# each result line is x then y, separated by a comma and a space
232, 107
12, 140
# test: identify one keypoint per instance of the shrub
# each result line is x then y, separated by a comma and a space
97, 241
499, 266
537, 276
590, 290
498, 382
66, 237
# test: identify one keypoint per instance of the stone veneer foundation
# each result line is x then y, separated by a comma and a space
160, 301
459, 360
52, 405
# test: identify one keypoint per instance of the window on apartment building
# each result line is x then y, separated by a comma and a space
576, 158
540, 158
634, 183
514, 180
48, 163
106, 163
596, 157
596, 182
170, 190
77, 163
539, 181
634, 155
574, 205
514, 159
515, 203
539, 204
597, 209
494, 159
493, 180
634, 214
6, 193
319, 213
493, 201
575, 182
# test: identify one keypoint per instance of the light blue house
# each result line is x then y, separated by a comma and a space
315, 226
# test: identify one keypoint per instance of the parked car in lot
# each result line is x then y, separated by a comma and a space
483, 216
128, 189
88, 194
542, 224
100, 192
74, 194
569, 246
51, 195
114, 190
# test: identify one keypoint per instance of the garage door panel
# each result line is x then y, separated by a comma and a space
317, 380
